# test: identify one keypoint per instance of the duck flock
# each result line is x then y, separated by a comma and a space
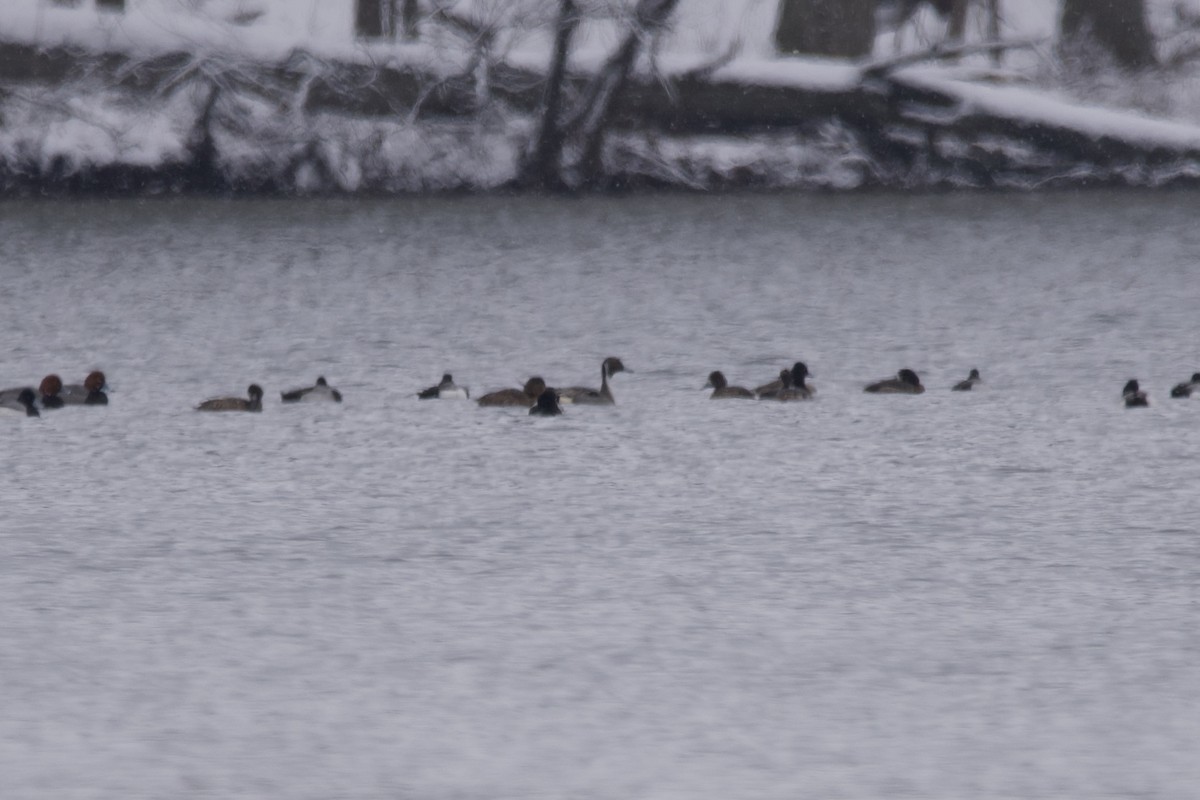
535, 395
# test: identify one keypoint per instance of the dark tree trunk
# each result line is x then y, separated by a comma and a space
840, 28
542, 167
1118, 27
408, 19
373, 18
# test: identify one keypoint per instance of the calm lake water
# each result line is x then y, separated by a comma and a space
957, 595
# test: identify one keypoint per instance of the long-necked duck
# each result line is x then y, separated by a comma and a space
522, 398
20, 400
319, 391
446, 390
89, 393
722, 389
596, 397
235, 403
969, 383
1134, 396
788, 389
49, 388
1186, 389
547, 404
905, 382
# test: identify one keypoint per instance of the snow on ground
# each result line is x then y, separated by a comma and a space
67, 130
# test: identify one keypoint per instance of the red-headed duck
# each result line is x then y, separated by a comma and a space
89, 393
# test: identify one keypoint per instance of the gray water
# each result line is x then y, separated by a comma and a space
988, 595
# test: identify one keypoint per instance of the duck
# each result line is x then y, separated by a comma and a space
20, 400
89, 393
1134, 396
524, 397
596, 397
799, 373
788, 389
49, 388
722, 389
446, 390
235, 403
321, 390
1186, 389
905, 382
969, 383
547, 404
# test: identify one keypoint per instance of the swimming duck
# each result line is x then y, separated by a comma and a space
1134, 396
446, 390
547, 404
320, 391
1186, 389
49, 388
20, 400
788, 390
721, 388
235, 403
969, 383
89, 393
905, 382
596, 397
524, 398
799, 373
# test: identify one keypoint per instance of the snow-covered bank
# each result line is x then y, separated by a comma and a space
291, 107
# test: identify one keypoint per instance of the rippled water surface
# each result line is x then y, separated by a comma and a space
984, 595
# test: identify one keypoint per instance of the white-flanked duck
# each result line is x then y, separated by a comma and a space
235, 403
89, 393
320, 391
1134, 396
446, 390
968, 384
905, 382
722, 390
20, 400
597, 397
547, 404
517, 398
1186, 389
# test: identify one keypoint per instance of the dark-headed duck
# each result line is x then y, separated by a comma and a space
547, 404
1134, 396
89, 393
969, 383
321, 390
1186, 389
799, 373
446, 390
788, 389
520, 398
235, 403
722, 389
20, 400
596, 397
905, 382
